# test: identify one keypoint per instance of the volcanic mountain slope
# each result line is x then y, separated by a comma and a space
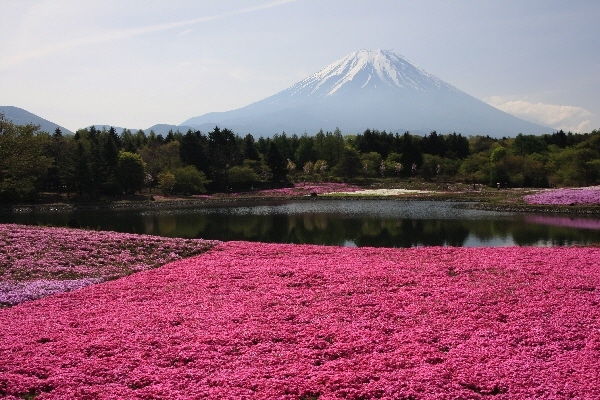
369, 89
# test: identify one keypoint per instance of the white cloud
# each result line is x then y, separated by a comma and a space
186, 32
567, 118
16, 59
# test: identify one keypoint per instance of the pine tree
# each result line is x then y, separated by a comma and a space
277, 163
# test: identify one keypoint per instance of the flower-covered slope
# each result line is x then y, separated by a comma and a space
270, 321
38, 261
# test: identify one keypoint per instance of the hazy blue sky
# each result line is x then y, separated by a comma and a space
138, 63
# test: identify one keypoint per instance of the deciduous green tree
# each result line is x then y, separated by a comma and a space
393, 164
188, 180
23, 162
242, 177
166, 182
131, 172
160, 157
371, 163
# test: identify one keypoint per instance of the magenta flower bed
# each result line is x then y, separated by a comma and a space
37, 261
270, 321
589, 195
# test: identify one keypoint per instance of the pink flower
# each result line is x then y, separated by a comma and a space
252, 320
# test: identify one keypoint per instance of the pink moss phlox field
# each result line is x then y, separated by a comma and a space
31, 257
570, 222
577, 196
272, 321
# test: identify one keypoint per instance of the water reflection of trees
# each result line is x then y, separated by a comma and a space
321, 229
553, 235
328, 228
377, 232
488, 230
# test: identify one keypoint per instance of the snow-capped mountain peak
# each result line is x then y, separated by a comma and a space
366, 69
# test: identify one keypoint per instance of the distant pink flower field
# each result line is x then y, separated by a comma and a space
574, 196
273, 321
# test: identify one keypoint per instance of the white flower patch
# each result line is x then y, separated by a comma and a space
381, 192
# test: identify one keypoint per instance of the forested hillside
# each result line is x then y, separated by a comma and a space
102, 163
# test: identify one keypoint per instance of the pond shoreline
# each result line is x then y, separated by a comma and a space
483, 198
539, 208
479, 204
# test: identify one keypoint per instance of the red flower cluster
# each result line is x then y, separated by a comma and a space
248, 320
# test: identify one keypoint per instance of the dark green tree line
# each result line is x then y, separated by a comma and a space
95, 163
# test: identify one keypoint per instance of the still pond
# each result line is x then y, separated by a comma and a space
378, 223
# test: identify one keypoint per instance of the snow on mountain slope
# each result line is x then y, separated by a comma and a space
368, 69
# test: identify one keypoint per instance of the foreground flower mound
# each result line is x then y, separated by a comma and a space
272, 321
576, 196
37, 261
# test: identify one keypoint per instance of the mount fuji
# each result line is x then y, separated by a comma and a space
374, 89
